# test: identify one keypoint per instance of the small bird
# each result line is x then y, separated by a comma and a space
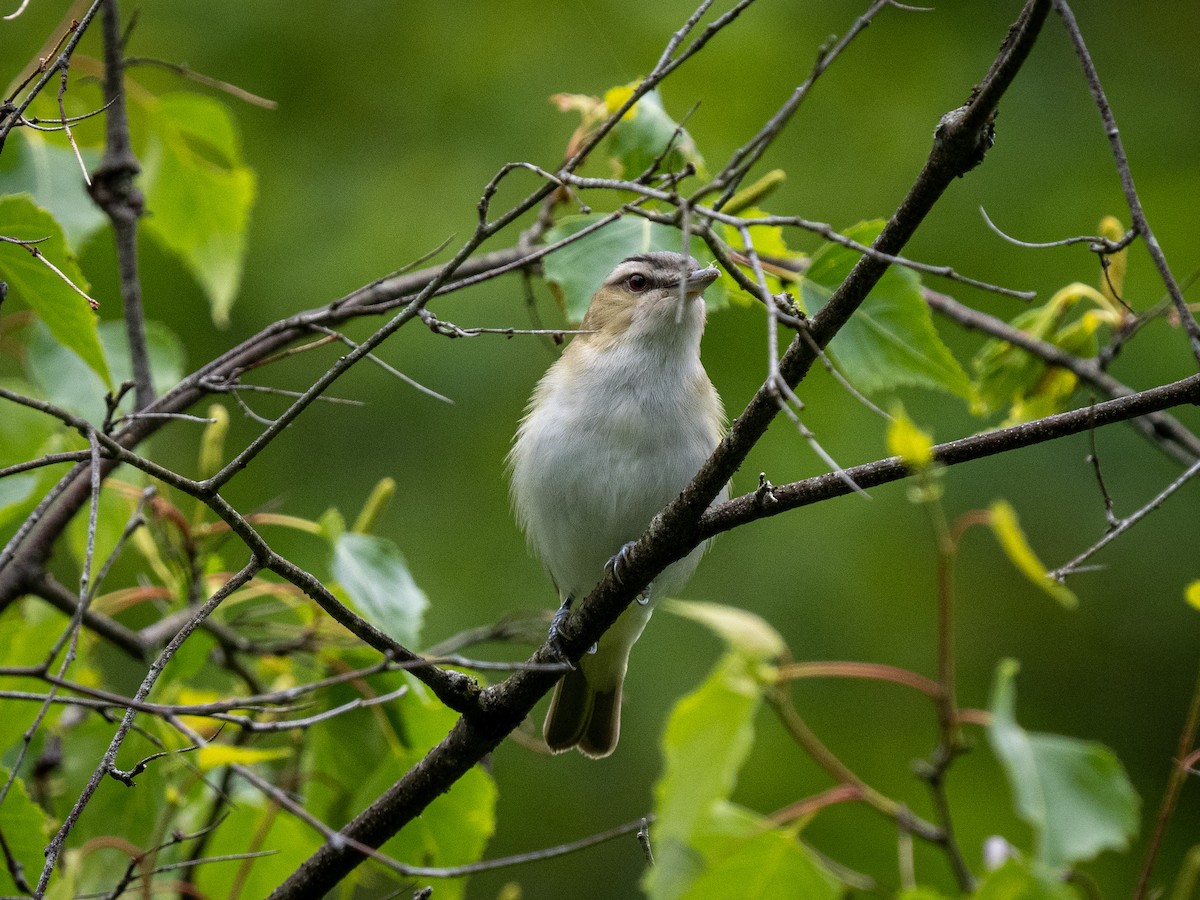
614, 431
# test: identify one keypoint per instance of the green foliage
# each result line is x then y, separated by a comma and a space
46, 168
705, 845
1007, 528
67, 383
1074, 794
375, 576
199, 191
647, 133
1015, 881
26, 830
59, 306
890, 342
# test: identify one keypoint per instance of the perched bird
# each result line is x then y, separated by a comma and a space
614, 431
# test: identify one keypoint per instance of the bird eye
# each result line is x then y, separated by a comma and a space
637, 282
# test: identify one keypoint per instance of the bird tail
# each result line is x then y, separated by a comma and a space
583, 717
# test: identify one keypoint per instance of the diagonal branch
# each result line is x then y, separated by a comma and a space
960, 142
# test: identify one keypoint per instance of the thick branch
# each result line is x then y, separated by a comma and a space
960, 142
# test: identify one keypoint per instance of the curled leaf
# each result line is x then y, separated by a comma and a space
1012, 540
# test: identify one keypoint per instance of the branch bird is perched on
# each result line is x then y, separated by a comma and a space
614, 431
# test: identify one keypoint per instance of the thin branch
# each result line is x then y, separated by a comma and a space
114, 191
754, 506
1184, 754
57, 843
1140, 223
1164, 431
1119, 527
200, 78
10, 113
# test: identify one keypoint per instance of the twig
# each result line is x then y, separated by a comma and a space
1179, 772
55, 847
1140, 223
200, 78
1116, 529
114, 191
748, 507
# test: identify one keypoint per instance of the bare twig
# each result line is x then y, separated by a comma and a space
1140, 223
114, 191
1116, 529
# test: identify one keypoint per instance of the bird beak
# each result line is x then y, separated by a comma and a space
699, 279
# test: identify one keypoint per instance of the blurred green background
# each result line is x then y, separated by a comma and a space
392, 117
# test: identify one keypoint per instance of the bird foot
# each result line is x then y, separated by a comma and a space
618, 561
556, 633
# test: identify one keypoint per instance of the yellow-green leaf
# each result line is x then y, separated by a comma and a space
213, 756
1192, 594
1012, 540
906, 440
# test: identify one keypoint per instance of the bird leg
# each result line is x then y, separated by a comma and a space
554, 638
614, 565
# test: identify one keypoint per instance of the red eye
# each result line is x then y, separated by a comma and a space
637, 282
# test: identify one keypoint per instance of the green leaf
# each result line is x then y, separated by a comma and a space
253, 825
744, 632
199, 191
706, 742
46, 168
26, 831
1015, 881
375, 576
1074, 794
69, 384
56, 303
890, 342
577, 270
644, 133
769, 865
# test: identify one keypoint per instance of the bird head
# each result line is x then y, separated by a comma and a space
652, 296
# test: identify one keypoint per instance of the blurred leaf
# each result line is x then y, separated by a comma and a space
253, 825
199, 191
381, 494
907, 441
375, 576
26, 831
744, 632
47, 169
707, 739
1112, 279
213, 756
890, 341
1074, 794
767, 866
1192, 594
69, 384
1012, 541
26, 435
56, 303
576, 271
644, 133
1014, 881
920, 893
